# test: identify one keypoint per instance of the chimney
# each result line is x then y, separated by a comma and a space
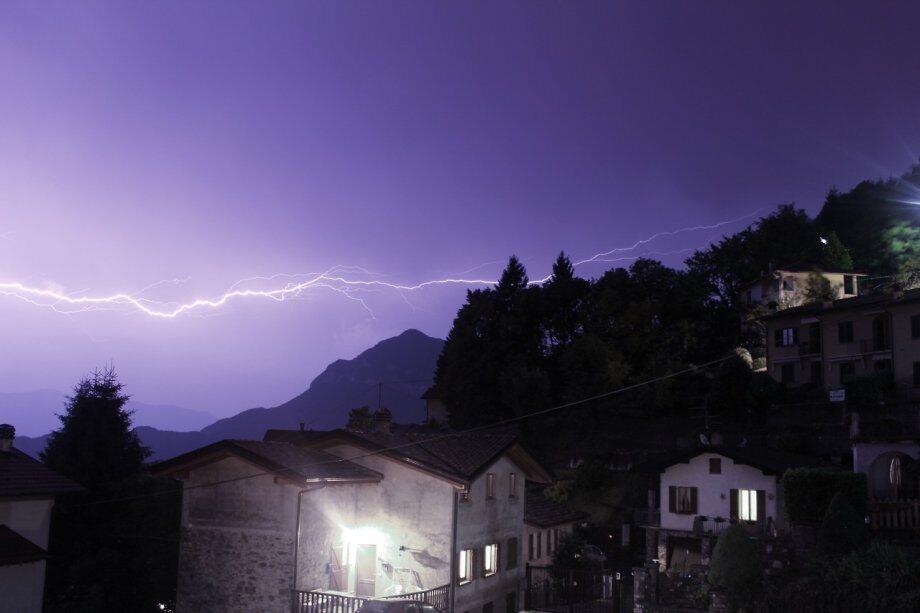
382, 420
7, 434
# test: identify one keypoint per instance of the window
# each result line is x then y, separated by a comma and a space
530, 548
849, 285
549, 542
682, 500
817, 373
512, 485
845, 332
788, 284
539, 544
847, 371
490, 560
916, 374
490, 486
747, 505
512, 553
465, 566
786, 337
915, 326
715, 466
787, 373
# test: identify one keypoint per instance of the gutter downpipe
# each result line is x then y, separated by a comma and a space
320, 485
453, 553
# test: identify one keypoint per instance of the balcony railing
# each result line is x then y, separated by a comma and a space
895, 515
713, 526
309, 601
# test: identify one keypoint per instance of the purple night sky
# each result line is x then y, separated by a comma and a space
215, 141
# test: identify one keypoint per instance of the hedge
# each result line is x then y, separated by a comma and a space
809, 491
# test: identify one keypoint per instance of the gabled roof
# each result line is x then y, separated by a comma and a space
23, 475
17, 549
458, 457
881, 299
545, 513
769, 461
283, 460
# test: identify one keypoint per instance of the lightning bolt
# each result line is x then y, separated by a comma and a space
341, 279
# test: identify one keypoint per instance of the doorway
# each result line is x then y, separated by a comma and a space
365, 571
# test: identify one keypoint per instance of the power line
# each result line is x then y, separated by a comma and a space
445, 435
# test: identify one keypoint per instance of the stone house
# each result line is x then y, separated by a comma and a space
545, 523
704, 490
27, 492
785, 288
353, 514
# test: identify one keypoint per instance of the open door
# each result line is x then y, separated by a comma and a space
365, 571
338, 572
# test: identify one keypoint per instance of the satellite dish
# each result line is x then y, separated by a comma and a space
704, 439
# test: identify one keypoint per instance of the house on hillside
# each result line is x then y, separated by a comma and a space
435, 409
331, 518
826, 345
546, 521
704, 490
27, 492
785, 288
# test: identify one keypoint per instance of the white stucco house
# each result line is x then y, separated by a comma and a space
704, 490
305, 520
27, 492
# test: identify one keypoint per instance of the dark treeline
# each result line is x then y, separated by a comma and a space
521, 347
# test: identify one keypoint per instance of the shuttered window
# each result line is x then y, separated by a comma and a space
682, 500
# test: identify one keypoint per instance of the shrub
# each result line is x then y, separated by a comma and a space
809, 491
843, 529
736, 565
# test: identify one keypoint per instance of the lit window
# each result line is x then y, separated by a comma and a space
490, 561
512, 485
747, 505
465, 566
490, 485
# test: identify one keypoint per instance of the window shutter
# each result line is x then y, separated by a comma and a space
693, 500
498, 556
778, 338
761, 505
733, 506
672, 499
795, 336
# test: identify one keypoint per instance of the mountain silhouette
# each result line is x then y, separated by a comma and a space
397, 370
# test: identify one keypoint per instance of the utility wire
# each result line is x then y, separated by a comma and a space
446, 435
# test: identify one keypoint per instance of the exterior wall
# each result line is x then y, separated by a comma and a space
864, 461
859, 352
481, 522
714, 490
548, 542
237, 549
436, 410
408, 516
22, 585
771, 290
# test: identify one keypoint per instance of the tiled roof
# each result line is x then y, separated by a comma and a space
280, 458
868, 300
457, 455
545, 512
22, 475
17, 549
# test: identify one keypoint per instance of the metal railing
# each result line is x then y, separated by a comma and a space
311, 601
895, 515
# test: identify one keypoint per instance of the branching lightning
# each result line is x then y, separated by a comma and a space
347, 281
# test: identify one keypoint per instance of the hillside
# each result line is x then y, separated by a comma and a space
404, 364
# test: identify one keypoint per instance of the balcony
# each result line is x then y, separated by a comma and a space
714, 526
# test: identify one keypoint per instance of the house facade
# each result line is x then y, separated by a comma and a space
824, 345
27, 492
785, 288
546, 522
353, 514
704, 490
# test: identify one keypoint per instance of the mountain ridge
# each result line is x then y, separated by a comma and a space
399, 369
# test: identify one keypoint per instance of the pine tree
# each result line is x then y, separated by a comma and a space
95, 445
835, 256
